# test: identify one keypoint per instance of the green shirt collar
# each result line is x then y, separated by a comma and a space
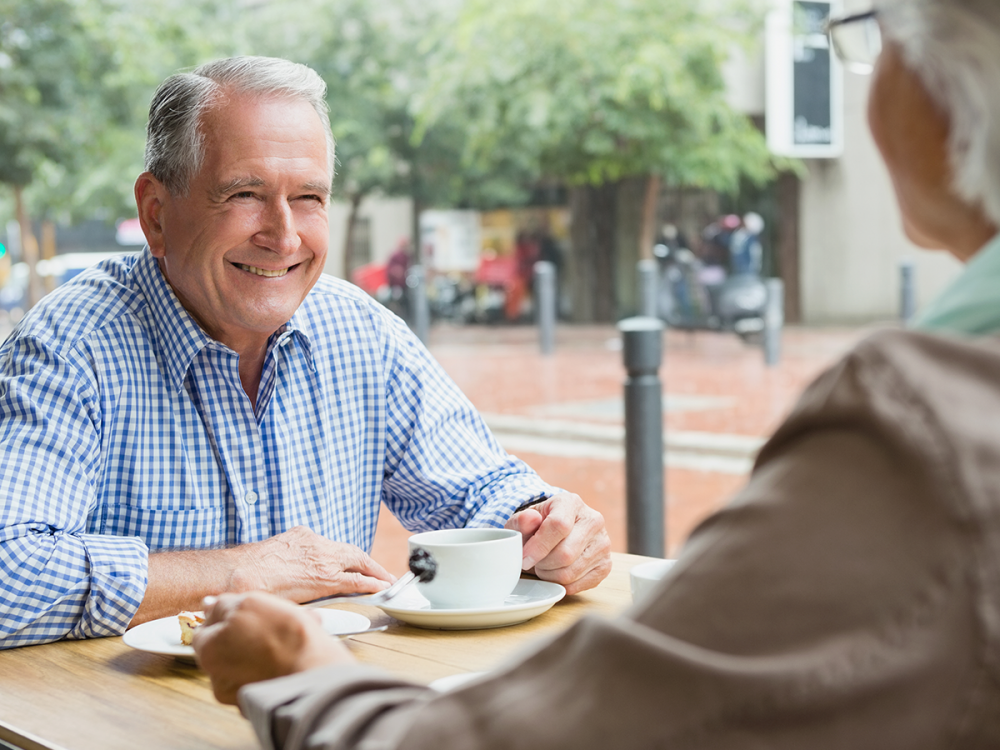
971, 304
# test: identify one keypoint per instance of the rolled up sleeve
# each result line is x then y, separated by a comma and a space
58, 579
444, 467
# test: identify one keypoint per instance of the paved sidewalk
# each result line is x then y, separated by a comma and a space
563, 414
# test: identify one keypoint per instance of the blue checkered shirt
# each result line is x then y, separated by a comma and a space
124, 430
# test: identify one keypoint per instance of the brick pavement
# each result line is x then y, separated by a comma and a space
562, 414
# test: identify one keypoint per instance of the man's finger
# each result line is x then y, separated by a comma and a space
526, 522
364, 565
361, 584
582, 559
557, 524
218, 608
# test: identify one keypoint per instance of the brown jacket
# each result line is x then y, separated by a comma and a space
848, 597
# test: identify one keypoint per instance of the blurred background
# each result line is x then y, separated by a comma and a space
716, 139
476, 137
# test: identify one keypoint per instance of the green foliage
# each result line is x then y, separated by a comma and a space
596, 92
450, 102
76, 77
373, 57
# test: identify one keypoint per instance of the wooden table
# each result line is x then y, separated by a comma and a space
102, 695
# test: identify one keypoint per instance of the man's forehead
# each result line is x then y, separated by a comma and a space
253, 141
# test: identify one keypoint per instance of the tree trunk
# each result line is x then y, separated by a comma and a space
648, 232
629, 243
49, 251
29, 249
590, 264
417, 249
352, 221
789, 267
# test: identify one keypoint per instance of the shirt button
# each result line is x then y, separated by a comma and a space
250, 497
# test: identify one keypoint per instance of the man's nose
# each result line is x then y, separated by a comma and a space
278, 231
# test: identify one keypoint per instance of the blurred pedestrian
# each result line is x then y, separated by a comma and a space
745, 251
396, 269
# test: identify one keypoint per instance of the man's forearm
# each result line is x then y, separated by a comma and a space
180, 580
297, 564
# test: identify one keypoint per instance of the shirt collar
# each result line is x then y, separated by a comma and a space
178, 333
179, 336
970, 304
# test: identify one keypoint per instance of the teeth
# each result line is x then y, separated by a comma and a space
262, 271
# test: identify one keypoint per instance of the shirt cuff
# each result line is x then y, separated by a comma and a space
119, 574
510, 494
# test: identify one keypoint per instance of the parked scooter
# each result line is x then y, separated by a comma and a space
697, 296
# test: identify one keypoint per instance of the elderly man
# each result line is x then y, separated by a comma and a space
848, 598
214, 415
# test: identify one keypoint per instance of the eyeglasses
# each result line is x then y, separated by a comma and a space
857, 40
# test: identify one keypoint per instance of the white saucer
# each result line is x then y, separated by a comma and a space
529, 599
163, 636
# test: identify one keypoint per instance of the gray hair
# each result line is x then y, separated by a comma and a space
175, 143
954, 48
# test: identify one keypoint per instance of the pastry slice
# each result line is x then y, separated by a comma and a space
189, 622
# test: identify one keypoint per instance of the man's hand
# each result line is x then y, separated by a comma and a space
252, 637
565, 542
297, 564
301, 565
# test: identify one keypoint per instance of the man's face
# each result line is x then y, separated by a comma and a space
243, 248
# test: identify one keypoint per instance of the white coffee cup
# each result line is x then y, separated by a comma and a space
645, 577
476, 568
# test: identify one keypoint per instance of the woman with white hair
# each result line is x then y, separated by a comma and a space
849, 596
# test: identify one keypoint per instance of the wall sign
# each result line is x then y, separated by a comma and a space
804, 80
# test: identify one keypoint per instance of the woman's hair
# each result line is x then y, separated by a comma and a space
954, 47
175, 143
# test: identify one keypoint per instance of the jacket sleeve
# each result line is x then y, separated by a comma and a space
58, 578
830, 605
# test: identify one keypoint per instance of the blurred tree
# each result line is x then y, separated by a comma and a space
75, 81
42, 73
613, 98
114, 53
373, 58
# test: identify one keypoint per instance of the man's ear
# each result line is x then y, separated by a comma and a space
150, 195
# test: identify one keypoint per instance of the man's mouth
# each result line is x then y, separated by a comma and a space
261, 271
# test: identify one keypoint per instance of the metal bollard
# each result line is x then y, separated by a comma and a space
649, 287
420, 314
545, 304
907, 295
774, 320
644, 489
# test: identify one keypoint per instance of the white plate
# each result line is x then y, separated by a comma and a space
529, 599
454, 681
164, 636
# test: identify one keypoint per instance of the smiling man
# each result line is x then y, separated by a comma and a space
215, 415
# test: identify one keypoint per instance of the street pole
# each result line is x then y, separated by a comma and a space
774, 321
545, 304
644, 489
649, 287
416, 280
907, 296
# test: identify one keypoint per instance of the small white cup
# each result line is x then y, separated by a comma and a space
476, 568
646, 576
